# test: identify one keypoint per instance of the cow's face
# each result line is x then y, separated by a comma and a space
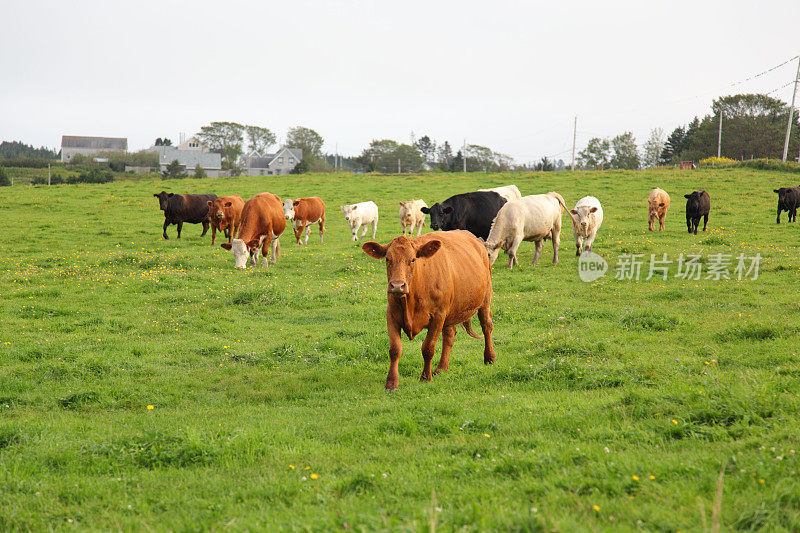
401, 255
350, 211
782, 193
405, 212
288, 209
242, 251
692, 200
440, 215
583, 217
655, 207
163, 199
492, 250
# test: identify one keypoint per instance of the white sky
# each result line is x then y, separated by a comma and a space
508, 75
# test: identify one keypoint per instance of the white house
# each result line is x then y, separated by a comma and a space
281, 162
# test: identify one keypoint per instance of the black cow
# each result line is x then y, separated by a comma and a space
698, 204
180, 208
788, 200
472, 211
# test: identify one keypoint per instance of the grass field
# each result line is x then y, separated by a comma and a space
613, 405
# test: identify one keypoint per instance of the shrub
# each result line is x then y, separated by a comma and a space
4, 181
199, 172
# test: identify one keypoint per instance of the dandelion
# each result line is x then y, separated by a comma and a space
651, 476
308, 468
674, 421
150, 407
635, 477
486, 435
291, 466
761, 481
314, 476
596, 508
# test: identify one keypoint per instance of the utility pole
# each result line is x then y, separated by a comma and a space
574, 139
791, 113
719, 137
398, 165
48, 174
464, 155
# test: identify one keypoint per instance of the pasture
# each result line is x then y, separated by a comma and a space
146, 384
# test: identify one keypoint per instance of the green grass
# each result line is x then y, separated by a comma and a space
261, 378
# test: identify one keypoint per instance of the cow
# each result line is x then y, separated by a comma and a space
788, 200
531, 218
436, 281
263, 223
587, 217
411, 217
180, 208
361, 214
698, 204
658, 202
304, 212
225, 214
472, 211
509, 192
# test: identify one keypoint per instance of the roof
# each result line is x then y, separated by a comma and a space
187, 158
95, 143
251, 161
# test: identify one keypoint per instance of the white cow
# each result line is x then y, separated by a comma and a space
509, 192
411, 216
586, 220
361, 214
531, 218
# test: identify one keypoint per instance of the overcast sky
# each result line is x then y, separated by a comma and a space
508, 75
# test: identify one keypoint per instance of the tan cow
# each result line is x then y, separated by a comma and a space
411, 217
304, 212
436, 281
225, 214
262, 225
658, 206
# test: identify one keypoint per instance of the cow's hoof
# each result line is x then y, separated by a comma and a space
488, 361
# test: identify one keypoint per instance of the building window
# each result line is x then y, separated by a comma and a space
291, 160
280, 160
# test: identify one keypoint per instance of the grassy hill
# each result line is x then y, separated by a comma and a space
613, 405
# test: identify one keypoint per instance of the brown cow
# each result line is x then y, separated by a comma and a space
261, 226
225, 214
658, 206
436, 281
304, 212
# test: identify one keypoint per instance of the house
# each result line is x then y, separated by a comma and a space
281, 162
189, 154
72, 145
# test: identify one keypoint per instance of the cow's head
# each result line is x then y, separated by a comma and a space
288, 208
242, 251
401, 255
406, 210
492, 250
782, 192
693, 200
582, 217
163, 199
655, 205
440, 215
349, 211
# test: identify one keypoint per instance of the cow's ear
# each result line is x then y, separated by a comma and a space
157, 195
447, 210
226, 245
373, 249
661, 204
342, 208
254, 243
210, 203
295, 203
593, 210
171, 194
429, 248
402, 204
687, 195
573, 211
425, 210
355, 207
228, 204
773, 190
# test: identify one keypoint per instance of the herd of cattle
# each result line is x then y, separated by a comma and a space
436, 281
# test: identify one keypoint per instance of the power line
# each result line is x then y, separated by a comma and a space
765, 72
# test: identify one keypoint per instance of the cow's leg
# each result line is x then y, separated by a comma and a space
705, 221
206, 224
689, 223
512, 251
578, 244
485, 318
661, 220
227, 232
587, 244
180, 227
298, 234
429, 345
556, 236
266, 247
538, 245
274, 249
448, 338
420, 225
321, 229
166, 223
779, 216
308, 233
395, 350
651, 223
794, 214
374, 227
213, 234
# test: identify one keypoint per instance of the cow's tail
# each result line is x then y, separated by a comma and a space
468, 327
564, 206
277, 248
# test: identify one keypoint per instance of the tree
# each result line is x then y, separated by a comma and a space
225, 138
18, 150
306, 139
544, 165
444, 154
596, 155
626, 155
174, 170
4, 181
386, 156
481, 158
426, 147
163, 142
653, 148
259, 139
457, 163
199, 172
674, 146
